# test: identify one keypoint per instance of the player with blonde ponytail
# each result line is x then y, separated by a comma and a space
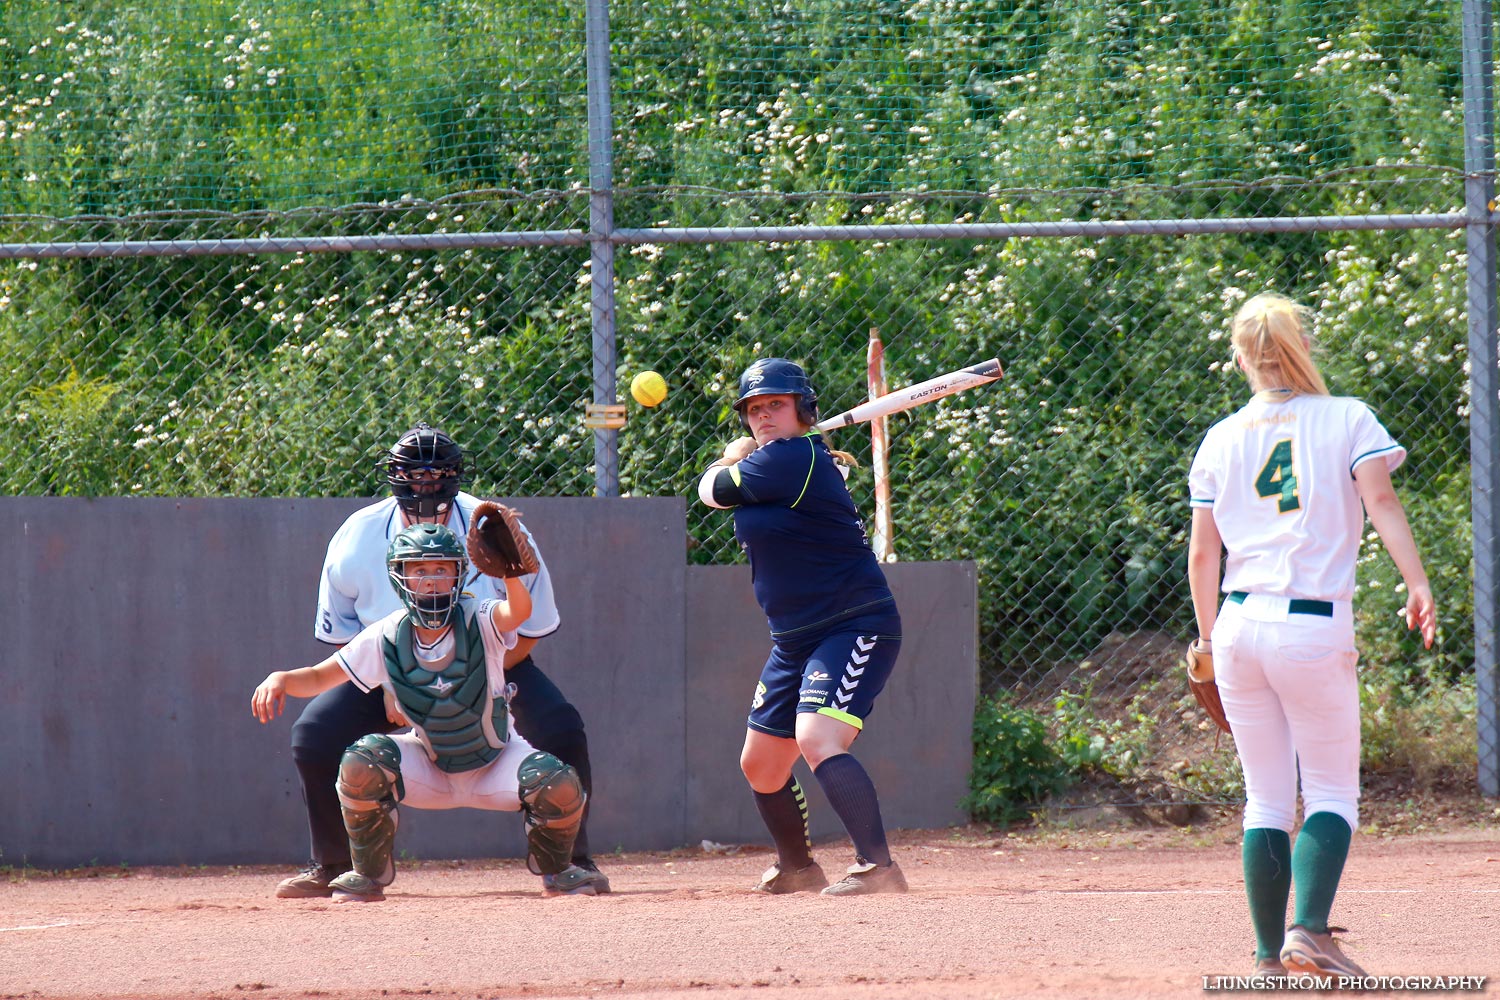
1273, 347
1283, 486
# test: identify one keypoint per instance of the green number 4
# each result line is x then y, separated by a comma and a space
1277, 479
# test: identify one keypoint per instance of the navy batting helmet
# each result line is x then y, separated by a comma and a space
778, 377
425, 469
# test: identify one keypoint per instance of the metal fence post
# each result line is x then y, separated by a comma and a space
1484, 361
602, 249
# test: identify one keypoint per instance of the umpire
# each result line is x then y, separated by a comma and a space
425, 469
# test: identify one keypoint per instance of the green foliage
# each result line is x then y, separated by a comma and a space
1089, 736
1418, 728
1015, 768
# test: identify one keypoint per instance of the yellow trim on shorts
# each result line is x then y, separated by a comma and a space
834, 713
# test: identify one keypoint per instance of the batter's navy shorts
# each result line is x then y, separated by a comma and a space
839, 674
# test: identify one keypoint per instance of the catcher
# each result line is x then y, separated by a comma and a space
439, 664
425, 470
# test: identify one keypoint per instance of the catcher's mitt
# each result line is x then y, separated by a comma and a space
1200, 671
497, 545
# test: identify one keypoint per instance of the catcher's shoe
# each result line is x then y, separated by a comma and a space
571, 881
1306, 953
309, 882
598, 879
866, 877
778, 881
352, 887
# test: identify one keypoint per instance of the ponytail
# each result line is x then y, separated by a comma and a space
1271, 337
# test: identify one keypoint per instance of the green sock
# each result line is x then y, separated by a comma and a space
1317, 865
1267, 855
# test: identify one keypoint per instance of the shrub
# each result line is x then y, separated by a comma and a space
1015, 768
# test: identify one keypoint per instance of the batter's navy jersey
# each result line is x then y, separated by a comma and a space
810, 561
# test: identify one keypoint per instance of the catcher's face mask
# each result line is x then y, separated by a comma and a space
426, 564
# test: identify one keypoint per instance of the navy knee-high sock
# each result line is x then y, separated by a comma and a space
785, 815
852, 795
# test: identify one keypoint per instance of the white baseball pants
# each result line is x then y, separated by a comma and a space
1290, 692
493, 786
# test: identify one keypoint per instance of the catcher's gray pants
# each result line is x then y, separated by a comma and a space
1289, 689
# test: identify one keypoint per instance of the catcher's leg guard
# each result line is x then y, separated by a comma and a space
552, 798
369, 787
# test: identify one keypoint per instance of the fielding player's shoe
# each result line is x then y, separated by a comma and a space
1306, 953
310, 881
352, 887
1267, 969
597, 878
571, 881
778, 881
865, 877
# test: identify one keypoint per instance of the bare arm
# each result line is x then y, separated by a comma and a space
739, 448
1205, 549
522, 649
304, 682
511, 612
1373, 482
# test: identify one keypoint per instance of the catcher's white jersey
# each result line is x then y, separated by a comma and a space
355, 590
363, 659
1279, 476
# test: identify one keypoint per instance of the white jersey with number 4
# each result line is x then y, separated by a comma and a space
1279, 476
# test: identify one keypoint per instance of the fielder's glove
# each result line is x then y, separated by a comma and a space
497, 545
1200, 671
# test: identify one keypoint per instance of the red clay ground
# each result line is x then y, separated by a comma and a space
1135, 913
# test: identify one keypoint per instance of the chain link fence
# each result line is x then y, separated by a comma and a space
243, 246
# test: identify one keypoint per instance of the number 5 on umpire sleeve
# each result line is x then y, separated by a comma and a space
1277, 479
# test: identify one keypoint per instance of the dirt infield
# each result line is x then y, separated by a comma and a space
989, 915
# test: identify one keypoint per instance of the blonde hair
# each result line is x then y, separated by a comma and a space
845, 457
1272, 336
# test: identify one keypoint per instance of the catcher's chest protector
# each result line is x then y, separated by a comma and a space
464, 725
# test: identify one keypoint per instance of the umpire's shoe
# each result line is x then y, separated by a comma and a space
1306, 953
597, 879
778, 881
571, 881
866, 877
309, 882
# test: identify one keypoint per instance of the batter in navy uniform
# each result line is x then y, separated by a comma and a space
835, 631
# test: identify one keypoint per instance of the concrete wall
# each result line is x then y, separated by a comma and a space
135, 630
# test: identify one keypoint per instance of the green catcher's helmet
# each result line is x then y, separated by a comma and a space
423, 542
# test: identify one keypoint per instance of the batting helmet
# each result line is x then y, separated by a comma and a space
778, 377
425, 469
427, 541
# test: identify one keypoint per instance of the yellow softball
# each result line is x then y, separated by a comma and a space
648, 388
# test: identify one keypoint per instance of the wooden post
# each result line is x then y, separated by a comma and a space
881, 539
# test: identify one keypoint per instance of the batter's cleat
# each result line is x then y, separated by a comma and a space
571, 881
597, 878
1267, 970
1306, 953
777, 882
309, 882
865, 878
352, 887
